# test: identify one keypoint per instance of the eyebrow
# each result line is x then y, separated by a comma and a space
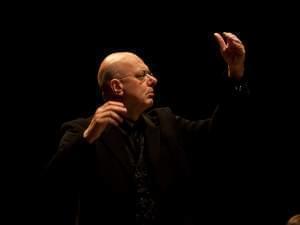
145, 72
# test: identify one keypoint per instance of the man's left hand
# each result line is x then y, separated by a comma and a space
233, 52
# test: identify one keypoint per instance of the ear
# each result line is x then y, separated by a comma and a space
116, 87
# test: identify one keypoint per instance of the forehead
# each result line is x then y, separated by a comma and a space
131, 65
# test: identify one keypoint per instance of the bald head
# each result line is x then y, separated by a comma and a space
114, 64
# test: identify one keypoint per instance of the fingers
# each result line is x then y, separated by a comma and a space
220, 40
111, 112
117, 107
112, 108
104, 121
230, 37
111, 115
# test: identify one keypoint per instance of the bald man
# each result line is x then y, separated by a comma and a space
126, 164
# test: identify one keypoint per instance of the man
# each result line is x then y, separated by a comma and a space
126, 164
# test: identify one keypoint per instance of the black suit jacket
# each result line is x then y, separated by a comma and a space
96, 181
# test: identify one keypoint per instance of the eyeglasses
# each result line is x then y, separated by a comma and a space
141, 76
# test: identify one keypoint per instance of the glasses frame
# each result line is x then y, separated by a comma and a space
140, 77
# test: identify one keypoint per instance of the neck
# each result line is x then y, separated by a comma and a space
134, 111
133, 114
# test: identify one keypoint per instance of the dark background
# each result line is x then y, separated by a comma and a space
62, 86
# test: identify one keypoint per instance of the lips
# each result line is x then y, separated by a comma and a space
151, 94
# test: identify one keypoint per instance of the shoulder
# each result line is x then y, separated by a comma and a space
71, 131
161, 114
78, 124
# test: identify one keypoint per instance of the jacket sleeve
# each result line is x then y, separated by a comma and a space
71, 148
228, 118
62, 175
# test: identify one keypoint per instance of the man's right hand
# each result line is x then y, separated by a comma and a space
109, 113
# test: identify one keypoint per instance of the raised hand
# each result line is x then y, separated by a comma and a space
111, 112
233, 52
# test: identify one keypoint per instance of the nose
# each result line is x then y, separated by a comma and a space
151, 80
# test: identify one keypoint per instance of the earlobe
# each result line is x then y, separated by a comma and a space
117, 87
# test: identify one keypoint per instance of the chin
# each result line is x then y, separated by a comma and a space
149, 103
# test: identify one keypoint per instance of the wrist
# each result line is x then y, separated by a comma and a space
236, 72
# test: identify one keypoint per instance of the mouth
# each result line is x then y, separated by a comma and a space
151, 94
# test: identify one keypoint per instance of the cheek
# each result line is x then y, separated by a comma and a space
140, 91
136, 90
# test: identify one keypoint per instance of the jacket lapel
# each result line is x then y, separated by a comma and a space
159, 158
152, 142
114, 140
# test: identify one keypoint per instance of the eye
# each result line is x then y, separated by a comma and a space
141, 76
